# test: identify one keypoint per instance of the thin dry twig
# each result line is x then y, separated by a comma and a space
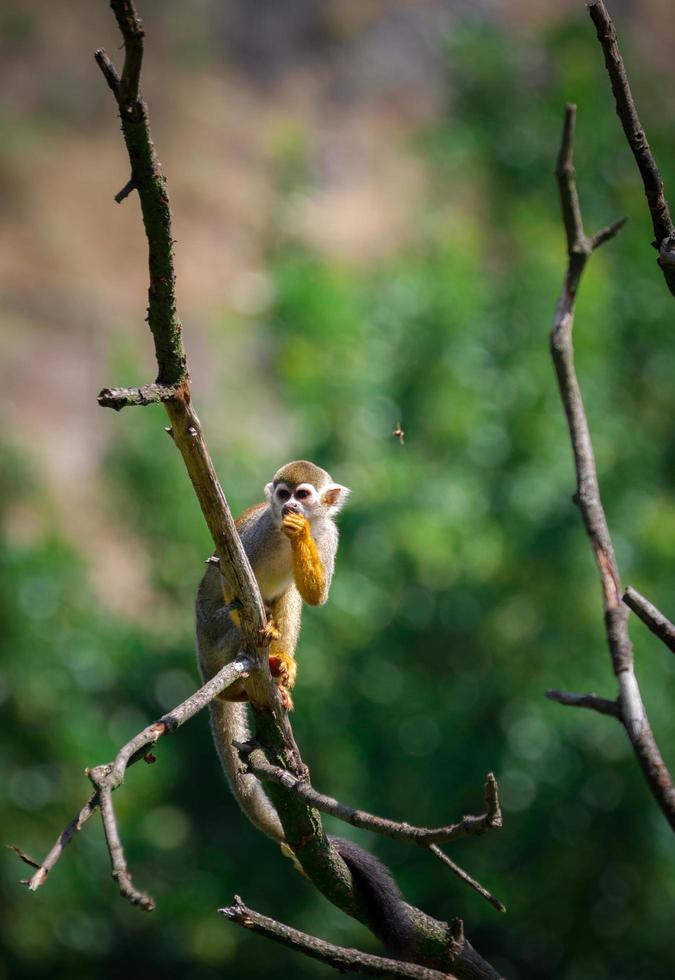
125, 191
592, 701
632, 713
424, 836
343, 959
652, 617
120, 871
461, 873
662, 224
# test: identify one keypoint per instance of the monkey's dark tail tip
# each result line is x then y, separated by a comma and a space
389, 916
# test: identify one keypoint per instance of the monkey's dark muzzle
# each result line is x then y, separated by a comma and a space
290, 508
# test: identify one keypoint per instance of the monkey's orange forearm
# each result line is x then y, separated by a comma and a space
308, 570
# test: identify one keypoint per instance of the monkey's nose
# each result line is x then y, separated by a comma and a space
290, 508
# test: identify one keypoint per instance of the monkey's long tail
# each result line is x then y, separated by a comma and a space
389, 915
229, 722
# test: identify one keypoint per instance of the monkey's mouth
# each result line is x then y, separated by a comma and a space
290, 508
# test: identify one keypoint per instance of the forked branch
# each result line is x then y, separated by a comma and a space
629, 706
108, 777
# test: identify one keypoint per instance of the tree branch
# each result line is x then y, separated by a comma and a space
344, 960
631, 709
120, 871
592, 701
662, 224
256, 763
476, 885
651, 616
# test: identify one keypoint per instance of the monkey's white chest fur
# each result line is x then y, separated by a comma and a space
275, 574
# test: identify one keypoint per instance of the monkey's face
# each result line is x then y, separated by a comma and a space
306, 499
303, 499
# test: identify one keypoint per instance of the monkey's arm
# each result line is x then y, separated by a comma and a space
309, 571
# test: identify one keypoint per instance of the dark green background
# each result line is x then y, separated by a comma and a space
465, 586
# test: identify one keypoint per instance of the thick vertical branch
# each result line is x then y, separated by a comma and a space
631, 709
173, 385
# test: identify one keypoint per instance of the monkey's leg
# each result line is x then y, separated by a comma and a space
286, 613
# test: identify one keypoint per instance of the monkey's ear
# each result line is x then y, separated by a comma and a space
269, 489
334, 497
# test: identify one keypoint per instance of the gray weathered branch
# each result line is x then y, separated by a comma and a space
631, 710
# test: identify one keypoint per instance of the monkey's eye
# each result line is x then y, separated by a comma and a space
302, 494
283, 494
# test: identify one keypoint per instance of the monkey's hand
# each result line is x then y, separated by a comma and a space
295, 527
283, 669
270, 631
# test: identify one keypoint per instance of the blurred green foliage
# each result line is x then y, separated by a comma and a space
465, 586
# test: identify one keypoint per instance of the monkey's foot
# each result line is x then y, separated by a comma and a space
270, 631
283, 669
294, 526
285, 698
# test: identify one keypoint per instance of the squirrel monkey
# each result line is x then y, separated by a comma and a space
291, 541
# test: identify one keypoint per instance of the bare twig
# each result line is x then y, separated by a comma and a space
119, 398
26, 858
592, 701
651, 616
62, 841
120, 871
344, 960
424, 836
476, 885
123, 194
631, 709
109, 71
662, 224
